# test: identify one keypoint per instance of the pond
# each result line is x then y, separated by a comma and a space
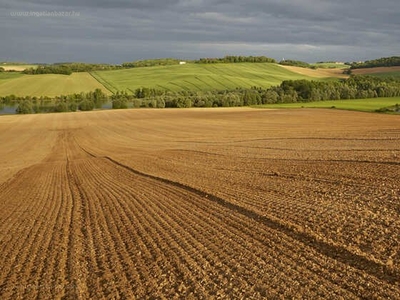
11, 109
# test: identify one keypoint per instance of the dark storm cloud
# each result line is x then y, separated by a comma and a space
117, 31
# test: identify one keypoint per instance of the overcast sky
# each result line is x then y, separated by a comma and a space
116, 31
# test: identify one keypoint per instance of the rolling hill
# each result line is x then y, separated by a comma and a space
191, 76
197, 77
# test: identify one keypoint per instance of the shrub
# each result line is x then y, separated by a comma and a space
86, 105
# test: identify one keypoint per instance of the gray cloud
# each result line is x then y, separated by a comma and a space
122, 30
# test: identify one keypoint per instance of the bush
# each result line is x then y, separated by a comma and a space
86, 105
119, 104
25, 107
61, 107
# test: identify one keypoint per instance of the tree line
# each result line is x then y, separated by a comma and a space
63, 103
69, 68
296, 63
380, 62
151, 63
236, 59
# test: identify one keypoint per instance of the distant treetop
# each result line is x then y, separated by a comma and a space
151, 63
380, 62
68, 68
296, 63
236, 59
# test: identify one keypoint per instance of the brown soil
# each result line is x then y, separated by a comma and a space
375, 70
317, 73
200, 203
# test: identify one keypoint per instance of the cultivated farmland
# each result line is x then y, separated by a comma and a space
367, 105
47, 84
200, 203
197, 77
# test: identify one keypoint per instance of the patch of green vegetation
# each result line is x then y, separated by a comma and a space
366, 105
330, 65
295, 63
9, 75
394, 74
198, 77
380, 62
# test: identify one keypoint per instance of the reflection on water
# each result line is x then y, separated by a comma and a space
7, 110
11, 109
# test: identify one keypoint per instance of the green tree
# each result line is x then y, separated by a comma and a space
24, 107
86, 105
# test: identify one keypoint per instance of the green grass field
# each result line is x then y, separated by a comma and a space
47, 84
197, 77
367, 105
395, 74
9, 75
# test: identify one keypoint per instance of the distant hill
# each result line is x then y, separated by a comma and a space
392, 61
189, 76
197, 76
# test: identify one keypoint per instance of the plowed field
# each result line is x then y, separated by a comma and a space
201, 204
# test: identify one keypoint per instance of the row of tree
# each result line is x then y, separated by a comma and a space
380, 62
213, 60
151, 63
69, 68
83, 101
236, 59
296, 63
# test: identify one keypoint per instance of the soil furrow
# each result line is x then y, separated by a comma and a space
160, 188
336, 252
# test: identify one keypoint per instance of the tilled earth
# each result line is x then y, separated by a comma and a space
200, 203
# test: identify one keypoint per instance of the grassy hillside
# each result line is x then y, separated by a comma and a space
367, 105
197, 77
9, 75
47, 84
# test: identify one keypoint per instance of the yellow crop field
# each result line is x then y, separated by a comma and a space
50, 85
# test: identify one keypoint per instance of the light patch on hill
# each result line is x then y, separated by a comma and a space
317, 73
17, 68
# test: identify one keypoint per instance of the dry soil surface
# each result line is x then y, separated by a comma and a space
200, 203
